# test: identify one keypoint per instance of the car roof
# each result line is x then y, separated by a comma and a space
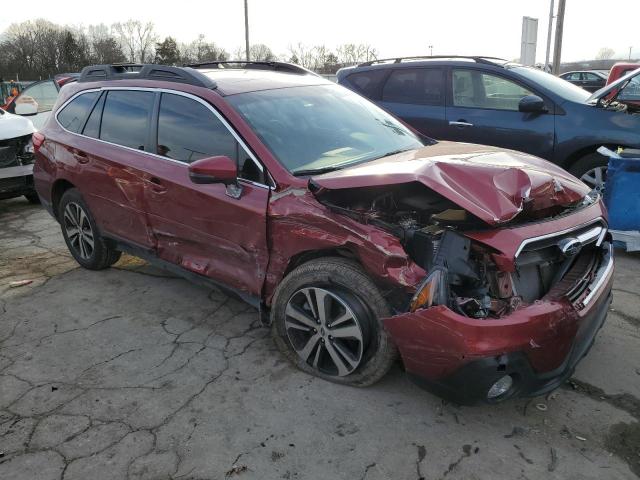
232, 81
444, 60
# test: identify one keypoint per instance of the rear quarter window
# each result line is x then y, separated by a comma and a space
74, 114
367, 83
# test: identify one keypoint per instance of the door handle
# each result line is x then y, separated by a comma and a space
156, 185
80, 156
460, 123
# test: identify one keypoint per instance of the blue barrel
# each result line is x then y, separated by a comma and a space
622, 191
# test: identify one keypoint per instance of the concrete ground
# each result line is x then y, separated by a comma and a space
131, 373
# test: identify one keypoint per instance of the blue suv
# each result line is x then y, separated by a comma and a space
494, 102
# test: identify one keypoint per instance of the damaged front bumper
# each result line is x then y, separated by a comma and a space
16, 180
538, 346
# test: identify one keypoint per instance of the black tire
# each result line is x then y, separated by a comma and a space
33, 198
102, 255
588, 163
346, 279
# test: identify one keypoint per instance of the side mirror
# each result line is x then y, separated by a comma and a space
219, 169
26, 108
532, 104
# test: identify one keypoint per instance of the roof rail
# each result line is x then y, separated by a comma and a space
138, 71
477, 59
243, 64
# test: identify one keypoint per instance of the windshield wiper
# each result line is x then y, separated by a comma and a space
394, 152
315, 171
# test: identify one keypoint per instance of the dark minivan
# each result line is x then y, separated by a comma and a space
495, 102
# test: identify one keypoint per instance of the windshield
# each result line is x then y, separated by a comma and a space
322, 127
554, 84
631, 92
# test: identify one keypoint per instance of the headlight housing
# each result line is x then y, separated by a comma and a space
434, 290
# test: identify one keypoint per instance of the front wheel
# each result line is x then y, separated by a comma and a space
592, 170
81, 234
326, 320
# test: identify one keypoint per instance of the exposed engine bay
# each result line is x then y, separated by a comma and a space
464, 276
16, 151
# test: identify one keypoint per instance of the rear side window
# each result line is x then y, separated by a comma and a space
72, 116
126, 118
424, 86
367, 83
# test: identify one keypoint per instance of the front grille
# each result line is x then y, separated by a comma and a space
558, 265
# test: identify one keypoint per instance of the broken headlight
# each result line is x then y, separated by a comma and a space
434, 290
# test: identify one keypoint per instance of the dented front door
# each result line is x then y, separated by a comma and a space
206, 231
203, 228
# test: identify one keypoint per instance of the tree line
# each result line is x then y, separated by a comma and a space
40, 49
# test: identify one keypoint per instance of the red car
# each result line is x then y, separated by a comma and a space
489, 271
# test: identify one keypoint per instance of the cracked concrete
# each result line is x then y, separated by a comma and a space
131, 373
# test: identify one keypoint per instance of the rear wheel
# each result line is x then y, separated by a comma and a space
81, 234
326, 320
592, 170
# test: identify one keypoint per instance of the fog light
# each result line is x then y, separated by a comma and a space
502, 386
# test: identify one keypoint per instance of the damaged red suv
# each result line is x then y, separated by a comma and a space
488, 271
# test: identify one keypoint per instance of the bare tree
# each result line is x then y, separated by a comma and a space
351, 53
40, 49
605, 53
136, 39
202, 51
259, 52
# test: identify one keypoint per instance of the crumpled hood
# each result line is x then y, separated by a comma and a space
12, 126
493, 184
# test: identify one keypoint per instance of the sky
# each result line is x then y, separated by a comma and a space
394, 28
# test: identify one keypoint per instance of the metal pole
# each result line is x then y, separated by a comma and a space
557, 48
630, 48
546, 60
246, 30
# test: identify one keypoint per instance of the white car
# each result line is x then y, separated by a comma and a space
16, 155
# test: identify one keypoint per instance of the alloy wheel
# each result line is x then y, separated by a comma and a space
595, 178
324, 331
78, 230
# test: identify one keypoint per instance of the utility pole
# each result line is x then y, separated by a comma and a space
549, 30
557, 48
431, 50
630, 48
246, 30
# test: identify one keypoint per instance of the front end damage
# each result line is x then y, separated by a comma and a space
507, 307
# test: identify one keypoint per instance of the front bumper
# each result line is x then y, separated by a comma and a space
459, 358
16, 181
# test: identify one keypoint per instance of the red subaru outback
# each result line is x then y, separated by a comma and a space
488, 271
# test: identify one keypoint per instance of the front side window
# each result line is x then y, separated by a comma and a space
72, 116
475, 89
424, 86
319, 128
43, 94
126, 118
189, 131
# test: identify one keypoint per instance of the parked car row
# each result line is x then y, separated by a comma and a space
356, 235
494, 102
23, 113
